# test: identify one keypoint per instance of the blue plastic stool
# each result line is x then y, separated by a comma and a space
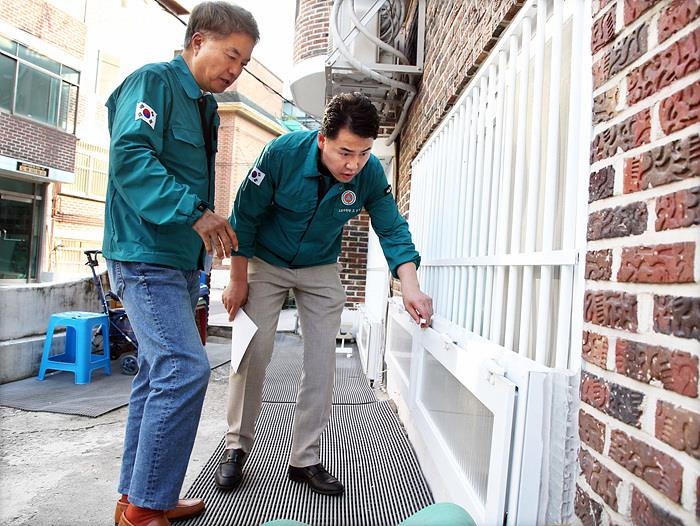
77, 355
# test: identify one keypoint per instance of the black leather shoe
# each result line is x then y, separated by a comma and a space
318, 479
229, 474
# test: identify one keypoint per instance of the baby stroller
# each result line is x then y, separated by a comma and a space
122, 341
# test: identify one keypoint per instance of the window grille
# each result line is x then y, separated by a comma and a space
496, 190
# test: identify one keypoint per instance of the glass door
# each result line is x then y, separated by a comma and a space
19, 235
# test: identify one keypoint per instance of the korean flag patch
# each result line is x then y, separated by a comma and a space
145, 113
256, 176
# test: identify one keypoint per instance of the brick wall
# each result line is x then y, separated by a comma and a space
311, 29
31, 141
640, 416
44, 21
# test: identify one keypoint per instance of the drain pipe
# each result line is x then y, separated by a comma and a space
342, 48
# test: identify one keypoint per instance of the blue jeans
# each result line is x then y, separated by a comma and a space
168, 392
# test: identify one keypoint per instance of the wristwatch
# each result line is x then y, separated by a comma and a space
203, 206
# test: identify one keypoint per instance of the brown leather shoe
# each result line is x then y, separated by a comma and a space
185, 509
158, 521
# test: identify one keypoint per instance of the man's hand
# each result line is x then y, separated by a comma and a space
217, 234
235, 295
417, 303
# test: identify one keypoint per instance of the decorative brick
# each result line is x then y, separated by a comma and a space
622, 221
623, 136
603, 31
676, 370
634, 8
595, 349
625, 404
677, 315
697, 497
591, 431
628, 49
676, 16
645, 512
675, 62
599, 264
604, 106
681, 109
664, 164
617, 310
601, 184
678, 210
594, 391
657, 469
601, 71
671, 263
586, 509
601, 480
678, 427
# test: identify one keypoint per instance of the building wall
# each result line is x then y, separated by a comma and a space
640, 416
311, 29
32, 141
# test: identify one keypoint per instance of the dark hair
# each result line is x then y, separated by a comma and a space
220, 19
353, 111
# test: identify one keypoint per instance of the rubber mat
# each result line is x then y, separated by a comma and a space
58, 393
364, 445
284, 371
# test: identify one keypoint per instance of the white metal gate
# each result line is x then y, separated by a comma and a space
498, 214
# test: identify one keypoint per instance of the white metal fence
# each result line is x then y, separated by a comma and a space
498, 187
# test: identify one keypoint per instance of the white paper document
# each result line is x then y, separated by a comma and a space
242, 331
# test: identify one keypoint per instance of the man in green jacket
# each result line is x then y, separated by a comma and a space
289, 216
159, 227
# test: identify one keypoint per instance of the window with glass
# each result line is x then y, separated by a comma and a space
21, 205
37, 87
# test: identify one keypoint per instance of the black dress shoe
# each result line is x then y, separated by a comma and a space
229, 474
318, 479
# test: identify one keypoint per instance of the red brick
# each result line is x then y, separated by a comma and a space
633, 9
675, 370
677, 315
622, 221
594, 391
601, 480
678, 210
676, 16
623, 136
601, 71
586, 509
678, 427
681, 109
625, 404
677, 61
645, 512
670, 162
603, 31
599, 264
617, 310
591, 431
657, 469
595, 349
658, 264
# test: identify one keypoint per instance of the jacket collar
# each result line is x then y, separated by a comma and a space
184, 75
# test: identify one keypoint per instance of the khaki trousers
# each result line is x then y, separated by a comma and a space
320, 298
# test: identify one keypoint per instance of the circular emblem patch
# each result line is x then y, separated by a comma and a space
348, 197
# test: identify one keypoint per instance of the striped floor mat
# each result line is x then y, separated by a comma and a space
364, 445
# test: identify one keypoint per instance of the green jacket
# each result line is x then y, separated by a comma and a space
277, 216
158, 169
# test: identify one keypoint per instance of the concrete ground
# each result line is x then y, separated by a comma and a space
62, 470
